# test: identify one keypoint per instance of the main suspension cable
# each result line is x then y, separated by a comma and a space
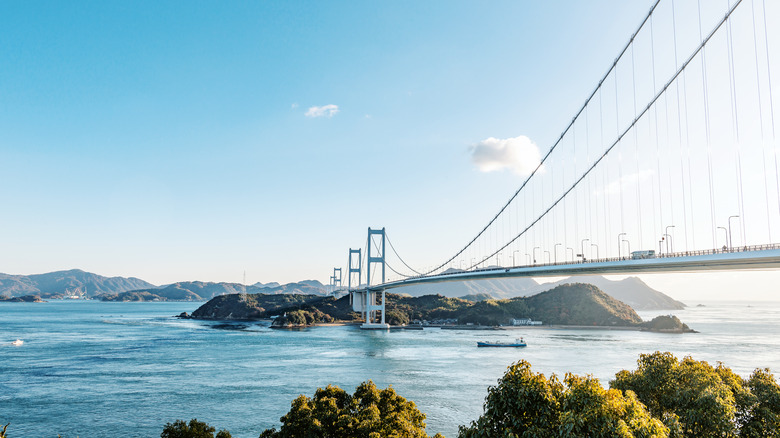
399, 257
557, 142
633, 123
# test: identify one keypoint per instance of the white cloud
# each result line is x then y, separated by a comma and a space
519, 154
628, 181
323, 111
293, 106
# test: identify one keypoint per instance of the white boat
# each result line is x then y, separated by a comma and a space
17, 342
517, 343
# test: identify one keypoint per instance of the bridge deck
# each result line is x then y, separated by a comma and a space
749, 258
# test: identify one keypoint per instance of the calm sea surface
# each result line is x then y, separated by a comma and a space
95, 369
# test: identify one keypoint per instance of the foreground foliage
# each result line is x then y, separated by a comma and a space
663, 397
370, 412
527, 404
695, 399
193, 429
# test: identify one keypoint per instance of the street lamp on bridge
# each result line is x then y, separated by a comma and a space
548, 256
597, 249
670, 238
731, 247
619, 243
582, 248
555, 251
534, 253
513, 257
572, 252
726, 233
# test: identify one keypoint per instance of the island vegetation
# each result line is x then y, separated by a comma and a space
575, 304
667, 324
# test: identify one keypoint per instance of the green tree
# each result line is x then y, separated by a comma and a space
590, 410
762, 416
370, 412
193, 429
695, 399
526, 404
397, 317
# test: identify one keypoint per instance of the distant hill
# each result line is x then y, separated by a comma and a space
305, 287
476, 297
200, 291
580, 304
262, 285
630, 290
496, 288
571, 304
74, 281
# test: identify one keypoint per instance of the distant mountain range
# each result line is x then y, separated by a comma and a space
76, 282
199, 291
62, 283
631, 290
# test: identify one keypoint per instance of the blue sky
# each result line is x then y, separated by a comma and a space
170, 140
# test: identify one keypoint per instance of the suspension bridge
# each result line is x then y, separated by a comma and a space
674, 154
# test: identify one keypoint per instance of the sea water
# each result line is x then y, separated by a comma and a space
97, 369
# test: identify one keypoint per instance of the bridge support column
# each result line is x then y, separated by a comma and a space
371, 295
374, 305
352, 269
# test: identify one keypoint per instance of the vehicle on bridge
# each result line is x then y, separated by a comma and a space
637, 255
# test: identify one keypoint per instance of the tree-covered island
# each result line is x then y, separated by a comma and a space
575, 304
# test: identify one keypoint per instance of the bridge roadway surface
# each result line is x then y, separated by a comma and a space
764, 257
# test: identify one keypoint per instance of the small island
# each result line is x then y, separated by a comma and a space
667, 324
23, 299
576, 304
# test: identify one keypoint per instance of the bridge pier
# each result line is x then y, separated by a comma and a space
371, 311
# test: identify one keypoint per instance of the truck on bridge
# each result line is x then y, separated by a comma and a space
637, 255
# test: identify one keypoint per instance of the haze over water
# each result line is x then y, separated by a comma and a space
96, 369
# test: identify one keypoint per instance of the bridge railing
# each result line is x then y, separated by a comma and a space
724, 250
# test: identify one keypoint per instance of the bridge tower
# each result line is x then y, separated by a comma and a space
372, 296
357, 298
336, 279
